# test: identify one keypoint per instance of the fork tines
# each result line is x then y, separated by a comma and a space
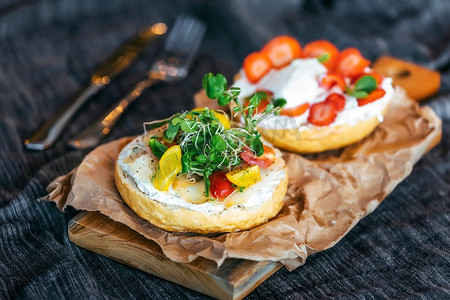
185, 37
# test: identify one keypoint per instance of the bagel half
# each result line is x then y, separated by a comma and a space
318, 139
184, 219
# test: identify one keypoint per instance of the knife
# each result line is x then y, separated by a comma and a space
46, 136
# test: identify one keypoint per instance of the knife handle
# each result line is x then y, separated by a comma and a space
46, 136
92, 135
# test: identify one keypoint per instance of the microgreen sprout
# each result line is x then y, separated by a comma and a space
206, 144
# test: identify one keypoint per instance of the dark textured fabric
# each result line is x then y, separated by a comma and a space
48, 49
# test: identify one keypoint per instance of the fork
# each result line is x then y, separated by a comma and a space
171, 66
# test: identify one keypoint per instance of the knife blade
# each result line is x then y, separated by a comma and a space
46, 135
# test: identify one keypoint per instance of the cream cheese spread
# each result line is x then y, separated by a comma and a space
298, 83
140, 170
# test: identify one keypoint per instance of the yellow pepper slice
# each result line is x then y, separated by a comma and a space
168, 168
244, 177
223, 118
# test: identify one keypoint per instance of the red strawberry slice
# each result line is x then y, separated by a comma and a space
322, 113
282, 50
332, 79
295, 111
338, 99
256, 65
351, 63
374, 95
323, 50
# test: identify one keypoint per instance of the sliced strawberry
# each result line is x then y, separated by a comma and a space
351, 63
220, 187
323, 50
256, 65
332, 79
282, 50
295, 111
338, 99
374, 95
263, 161
322, 113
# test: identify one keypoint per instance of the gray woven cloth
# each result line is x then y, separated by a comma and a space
48, 49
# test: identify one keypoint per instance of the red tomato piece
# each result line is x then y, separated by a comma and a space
332, 79
295, 111
319, 49
263, 161
338, 99
374, 95
351, 63
322, 113
256, 65
220, 187
282, 50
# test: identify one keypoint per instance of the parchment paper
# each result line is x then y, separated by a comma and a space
328, 193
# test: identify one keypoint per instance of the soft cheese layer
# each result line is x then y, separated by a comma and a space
140, 164
298, 83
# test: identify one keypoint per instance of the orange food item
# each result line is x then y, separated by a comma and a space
320, 49
256, 65
338, 99
332, 79
295, 111
282, 50
351, 63
374, 95
322, 113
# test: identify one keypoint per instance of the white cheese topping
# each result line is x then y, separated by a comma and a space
298, 83
140, 171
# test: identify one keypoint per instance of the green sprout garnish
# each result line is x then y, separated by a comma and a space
206, 145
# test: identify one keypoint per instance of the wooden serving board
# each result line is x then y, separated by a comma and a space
235, 279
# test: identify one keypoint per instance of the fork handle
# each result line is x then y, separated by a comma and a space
92, 135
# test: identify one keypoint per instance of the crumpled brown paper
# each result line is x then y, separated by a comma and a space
328, 193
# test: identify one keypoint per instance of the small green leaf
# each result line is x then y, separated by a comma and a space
176, 121
224, 99
366, 83
185, 163
269, 108
171, 132
358, 94
157, 147
214, 86
280, 102
218, 143
187, 126
324, 57
257, 146
255, 100
201, 158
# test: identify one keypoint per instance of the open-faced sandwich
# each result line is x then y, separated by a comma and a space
333, 98
199, 174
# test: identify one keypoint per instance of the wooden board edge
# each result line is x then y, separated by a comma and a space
84, 233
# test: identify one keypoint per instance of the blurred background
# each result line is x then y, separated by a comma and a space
48, 50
